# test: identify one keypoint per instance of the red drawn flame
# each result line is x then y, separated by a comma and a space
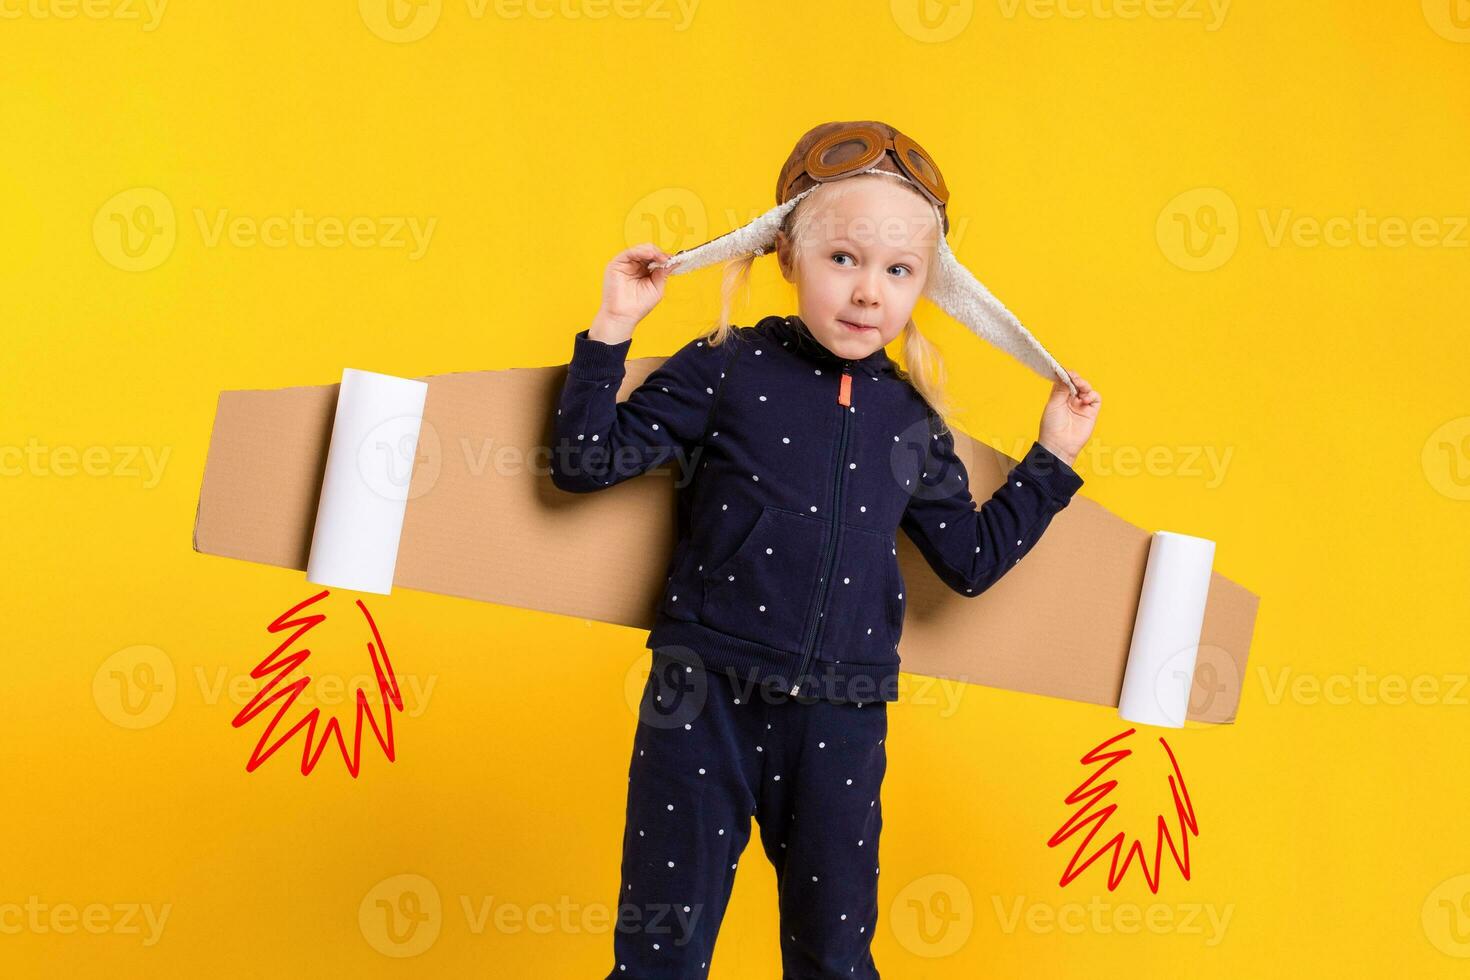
387, 694
1094, 816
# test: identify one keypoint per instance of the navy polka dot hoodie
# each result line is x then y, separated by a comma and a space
795, 469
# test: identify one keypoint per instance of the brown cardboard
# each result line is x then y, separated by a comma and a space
485, 522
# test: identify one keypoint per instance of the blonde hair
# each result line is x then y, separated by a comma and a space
921, 364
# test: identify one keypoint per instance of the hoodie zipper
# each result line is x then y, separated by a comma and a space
844, 402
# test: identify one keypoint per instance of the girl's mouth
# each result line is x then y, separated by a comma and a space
855, 327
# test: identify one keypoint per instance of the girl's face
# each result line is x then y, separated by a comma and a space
862, 262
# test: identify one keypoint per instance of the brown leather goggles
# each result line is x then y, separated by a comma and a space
857, 147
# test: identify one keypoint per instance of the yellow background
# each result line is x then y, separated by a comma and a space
1079, 142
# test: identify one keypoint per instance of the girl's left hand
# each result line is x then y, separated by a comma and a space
1067, 420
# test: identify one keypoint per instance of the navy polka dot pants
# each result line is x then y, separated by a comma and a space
711, 750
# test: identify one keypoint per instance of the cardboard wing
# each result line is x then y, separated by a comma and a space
483, 521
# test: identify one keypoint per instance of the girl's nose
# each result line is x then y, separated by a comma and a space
865, 292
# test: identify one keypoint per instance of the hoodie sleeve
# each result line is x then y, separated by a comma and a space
970, 548
599, 442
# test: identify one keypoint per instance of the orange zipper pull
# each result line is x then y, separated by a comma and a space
844, 394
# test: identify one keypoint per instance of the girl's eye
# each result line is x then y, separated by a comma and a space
906, 270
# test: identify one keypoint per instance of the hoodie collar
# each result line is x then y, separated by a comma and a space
801, 341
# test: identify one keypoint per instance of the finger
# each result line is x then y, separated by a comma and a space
629, 260
647, 252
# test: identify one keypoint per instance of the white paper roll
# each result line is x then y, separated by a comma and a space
359, 517
1166, 630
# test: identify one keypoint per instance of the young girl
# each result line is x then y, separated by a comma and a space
803, 449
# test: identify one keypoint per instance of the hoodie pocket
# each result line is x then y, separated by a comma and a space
762, 592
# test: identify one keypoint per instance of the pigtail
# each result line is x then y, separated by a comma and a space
923, 368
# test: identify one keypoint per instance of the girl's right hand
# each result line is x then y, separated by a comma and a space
629, 291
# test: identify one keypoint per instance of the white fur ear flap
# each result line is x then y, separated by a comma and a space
757, 238
956, 291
